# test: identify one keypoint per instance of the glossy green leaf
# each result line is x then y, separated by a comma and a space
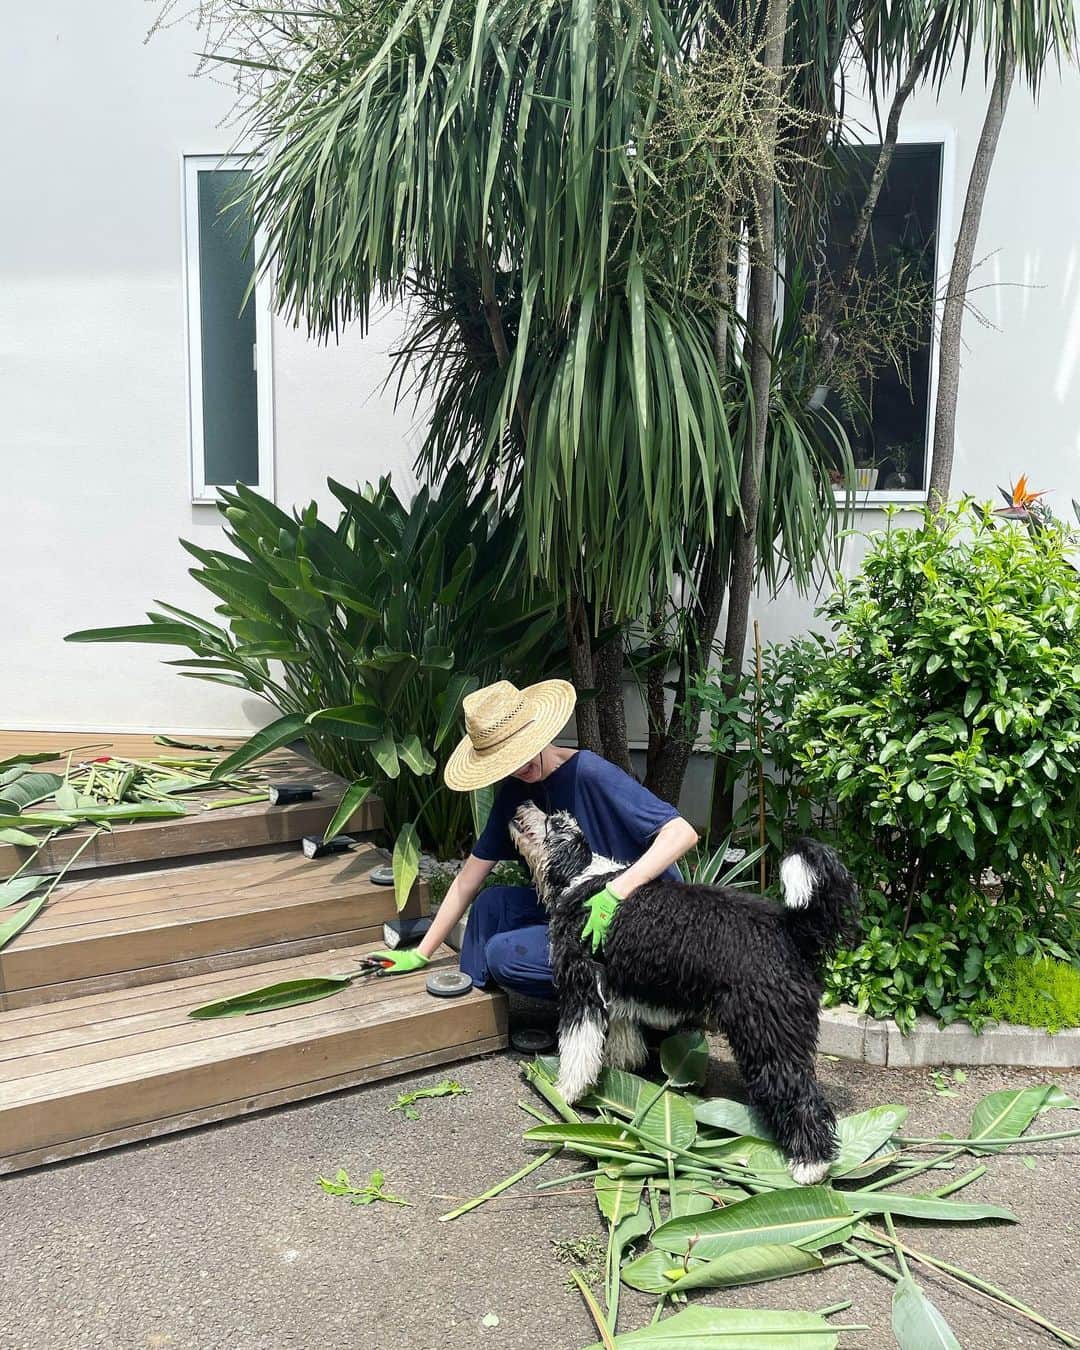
749, 1265
384, 752
916, 1323
352, 721
685, 1059
860, 1136
700, 1328
29, 789
406, 863
798, 1217
923, 1207
413, 754
271, 737
1007, 1114
352, 799
19, 888
733, 1117
13, 926
617, 1197
274, 996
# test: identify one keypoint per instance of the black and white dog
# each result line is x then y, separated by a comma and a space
685, 955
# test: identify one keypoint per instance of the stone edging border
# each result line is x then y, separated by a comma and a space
850, 1034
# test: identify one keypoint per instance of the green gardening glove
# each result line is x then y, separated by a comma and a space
400, 962
601, 908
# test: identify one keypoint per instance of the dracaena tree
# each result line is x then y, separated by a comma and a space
565, 194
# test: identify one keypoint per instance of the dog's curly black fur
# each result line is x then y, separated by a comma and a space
713, 956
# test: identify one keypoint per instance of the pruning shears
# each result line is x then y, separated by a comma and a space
374, 965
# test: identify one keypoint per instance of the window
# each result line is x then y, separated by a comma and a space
228, 333
887, 413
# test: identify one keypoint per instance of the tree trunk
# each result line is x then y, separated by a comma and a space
611, 710
579, 640
952, 317
760, 332
668, 768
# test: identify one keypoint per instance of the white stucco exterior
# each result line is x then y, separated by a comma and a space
93, 397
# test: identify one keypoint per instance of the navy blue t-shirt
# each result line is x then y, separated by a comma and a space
619, 816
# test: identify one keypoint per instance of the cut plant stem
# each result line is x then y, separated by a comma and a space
950, 1188
503, 1185
602, 1327
1012, 1141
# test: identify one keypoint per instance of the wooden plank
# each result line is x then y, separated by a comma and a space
73, 1012
200, 831
58, 955
43, 998
122, 895
138, 1088
164, 1028
166, 1005
74, 1148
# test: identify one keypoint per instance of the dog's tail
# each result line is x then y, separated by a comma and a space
821, 897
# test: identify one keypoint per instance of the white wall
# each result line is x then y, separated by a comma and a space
93, 438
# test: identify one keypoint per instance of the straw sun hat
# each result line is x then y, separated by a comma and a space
506, 727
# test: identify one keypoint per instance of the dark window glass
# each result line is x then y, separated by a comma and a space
889, 428
230, 421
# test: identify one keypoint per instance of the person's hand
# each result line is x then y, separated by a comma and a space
400, 962
601, 909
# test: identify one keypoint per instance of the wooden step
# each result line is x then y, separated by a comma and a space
135, 927
205, 829
94, 1072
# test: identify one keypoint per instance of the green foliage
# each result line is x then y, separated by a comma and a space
1038, 992
372, 1190
365, 634
749, 736
943, 727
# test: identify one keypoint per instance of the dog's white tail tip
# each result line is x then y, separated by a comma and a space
798, 881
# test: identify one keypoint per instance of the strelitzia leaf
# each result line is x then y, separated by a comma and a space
699, 1328
861, 1136
278, 733
406, 863
352, 799
18, 888
925, 1207
916, 1323
796, 1217
12, 927
749, 1265
617, 1198
29, 789
733, 1117
685, 1059
274, 996
1007, 1114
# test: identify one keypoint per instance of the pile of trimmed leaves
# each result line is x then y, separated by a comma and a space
696, 1196
108, 790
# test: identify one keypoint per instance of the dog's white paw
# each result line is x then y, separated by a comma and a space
570, 1089
808, 1173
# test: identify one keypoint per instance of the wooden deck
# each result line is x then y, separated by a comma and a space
204, 829
92, 1073
96, 1047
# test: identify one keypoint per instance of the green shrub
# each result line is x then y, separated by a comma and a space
943, 724
365, 635
1038, 992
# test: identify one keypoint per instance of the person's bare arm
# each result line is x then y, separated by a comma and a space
671, 842
457, 900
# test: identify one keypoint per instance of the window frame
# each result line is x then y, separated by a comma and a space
944, 135
201, 492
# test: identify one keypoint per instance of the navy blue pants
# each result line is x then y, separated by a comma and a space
506, 940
